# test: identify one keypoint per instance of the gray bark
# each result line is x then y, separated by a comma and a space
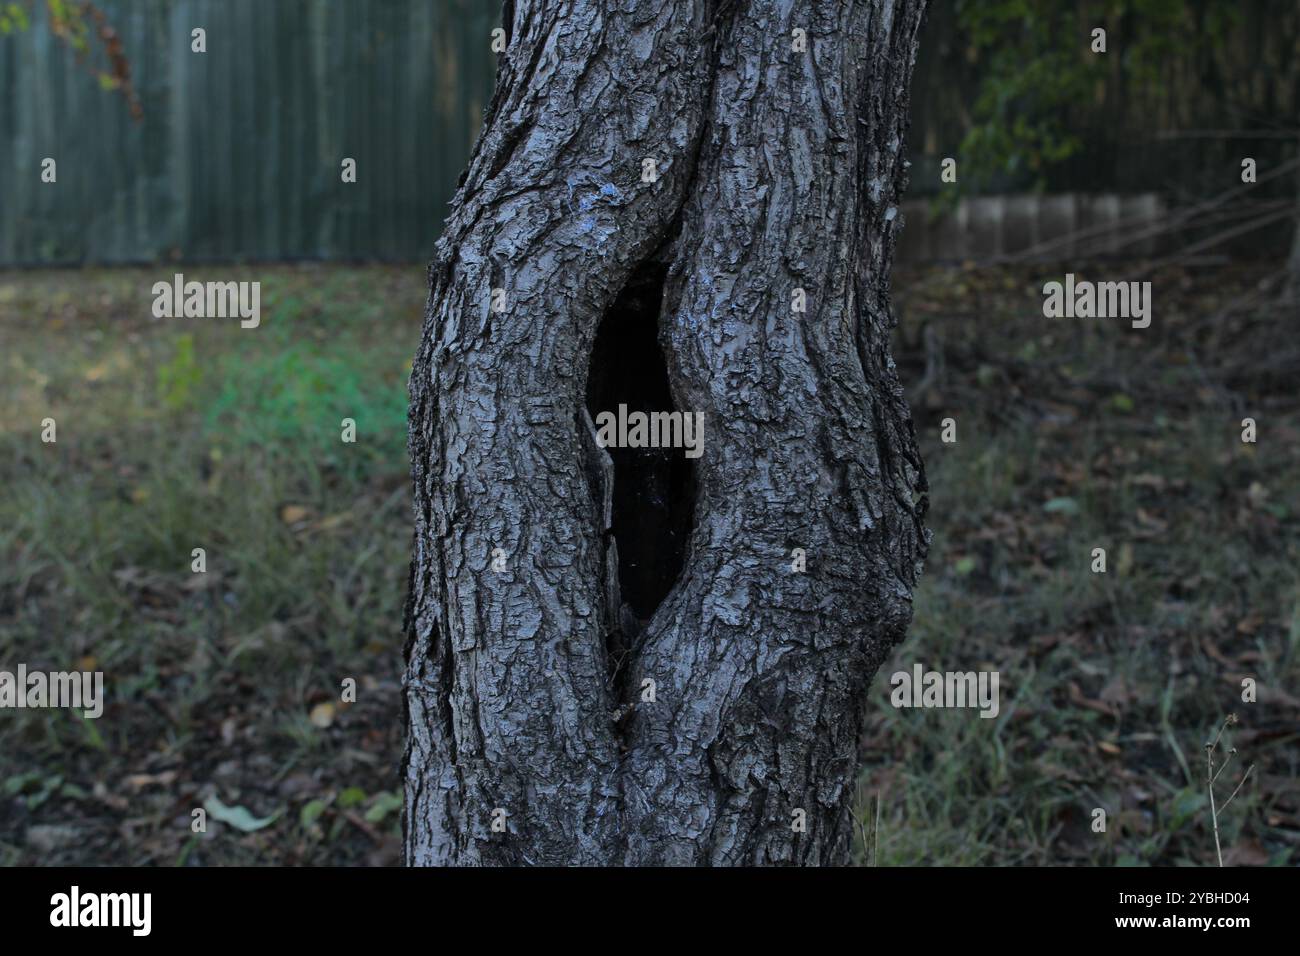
776, 170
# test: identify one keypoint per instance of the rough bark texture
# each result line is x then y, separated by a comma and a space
776, 170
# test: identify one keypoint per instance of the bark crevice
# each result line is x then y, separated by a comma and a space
653, 495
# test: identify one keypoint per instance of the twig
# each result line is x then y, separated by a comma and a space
1214, 813
1231, 754
1212, 775
875, 856
363, 826
1243, 780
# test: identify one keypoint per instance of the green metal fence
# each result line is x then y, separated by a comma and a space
239, 151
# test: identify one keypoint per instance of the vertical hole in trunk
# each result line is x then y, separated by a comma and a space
653, 500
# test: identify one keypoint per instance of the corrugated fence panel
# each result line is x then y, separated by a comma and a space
239, 153
1051, 227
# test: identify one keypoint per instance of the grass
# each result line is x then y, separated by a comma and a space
178, 435
225, 686
1073, 437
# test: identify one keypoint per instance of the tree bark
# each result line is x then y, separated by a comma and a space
533, 735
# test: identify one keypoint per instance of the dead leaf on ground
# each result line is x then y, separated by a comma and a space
294, 514
322, 715
138, 781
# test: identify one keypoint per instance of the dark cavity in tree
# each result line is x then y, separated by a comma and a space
653, 498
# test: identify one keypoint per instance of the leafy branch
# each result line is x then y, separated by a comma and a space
80, 25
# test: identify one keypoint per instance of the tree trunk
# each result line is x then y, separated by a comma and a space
611, 657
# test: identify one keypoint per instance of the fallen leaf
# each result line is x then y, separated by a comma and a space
965, 565
322, 715
1117, 693
1151, 521
292, 514
138, 781
1256, 495
238, 817
385, 803
1249, 624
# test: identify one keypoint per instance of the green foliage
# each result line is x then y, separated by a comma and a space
238, 817
385, 803
351, 797
68, 21
13, 18
35, 788
292, 400
311, 812
76, 23
178, 378
1038, 73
